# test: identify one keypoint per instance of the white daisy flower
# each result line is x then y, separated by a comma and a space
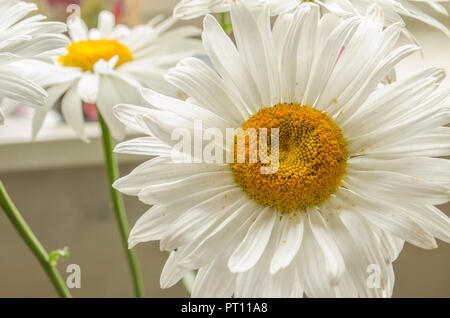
357, 173
107, 65
23, 37
394, 9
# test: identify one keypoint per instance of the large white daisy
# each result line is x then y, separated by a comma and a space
394, 9
24, 37
357, 175
107, 65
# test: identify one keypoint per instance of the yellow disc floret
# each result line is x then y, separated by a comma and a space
312, 158
84, 54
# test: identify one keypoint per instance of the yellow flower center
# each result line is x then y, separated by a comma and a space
84, 54
312, 156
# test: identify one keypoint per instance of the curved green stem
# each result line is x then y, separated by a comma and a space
112, 171
32, 242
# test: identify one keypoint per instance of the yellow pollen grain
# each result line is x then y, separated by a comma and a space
84, 54
312, 158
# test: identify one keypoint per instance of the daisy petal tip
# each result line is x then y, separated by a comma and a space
118, 109
117, 184
208, 22
374, 9
208, 18
132, 244
147, 93
334, 277
166, 284
162, 246
432, 244
117, 148
235, 267
178, 11
34, 136
274, 269
85, 139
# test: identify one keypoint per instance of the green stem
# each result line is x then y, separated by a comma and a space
32, 242
188, 281
225, 23
112, 171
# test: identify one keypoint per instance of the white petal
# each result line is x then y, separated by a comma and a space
72, 110
152, 173
256, 47
333, 258
161, 193
430, 169
88, 87
54, 93
228, 234
129, 116
254, 243
20, 89
107, 98
199, 81
385, 184
387, 218
214, 280
311, 266
229, 63
171, 272
146, 146
197, 221
78, 30
106, 23
289, 244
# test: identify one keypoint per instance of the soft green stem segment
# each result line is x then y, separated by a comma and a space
188, 281
32, 242
112, 171
225, 23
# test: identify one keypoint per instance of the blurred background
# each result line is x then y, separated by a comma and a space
59, 186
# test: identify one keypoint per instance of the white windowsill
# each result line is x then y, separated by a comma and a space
57, 147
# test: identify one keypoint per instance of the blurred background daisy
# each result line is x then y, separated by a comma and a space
107, 65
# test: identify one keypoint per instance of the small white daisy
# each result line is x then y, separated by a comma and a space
107, 65
24, 37
394, 9
357, 172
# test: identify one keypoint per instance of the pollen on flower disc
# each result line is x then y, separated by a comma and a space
84, 54
312, 156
